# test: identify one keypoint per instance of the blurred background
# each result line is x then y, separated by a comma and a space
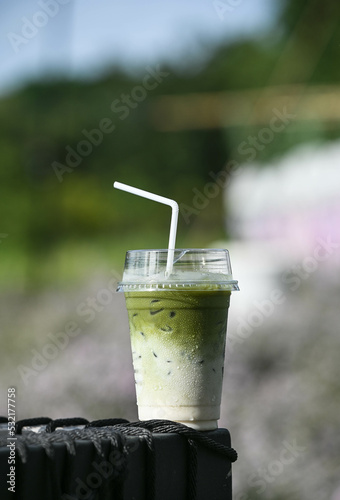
229, 107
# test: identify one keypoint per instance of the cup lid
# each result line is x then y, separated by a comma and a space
193, 268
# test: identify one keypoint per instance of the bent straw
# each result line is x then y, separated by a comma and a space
174, 217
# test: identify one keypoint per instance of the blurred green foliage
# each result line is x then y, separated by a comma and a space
42, 123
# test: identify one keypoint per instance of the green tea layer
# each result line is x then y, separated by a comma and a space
178, 344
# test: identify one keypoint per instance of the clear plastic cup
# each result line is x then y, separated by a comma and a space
178, 332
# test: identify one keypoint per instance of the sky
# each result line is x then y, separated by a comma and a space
85, 37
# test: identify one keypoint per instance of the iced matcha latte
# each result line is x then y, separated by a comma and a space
178, 333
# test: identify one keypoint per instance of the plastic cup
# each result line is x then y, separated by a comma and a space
178, 332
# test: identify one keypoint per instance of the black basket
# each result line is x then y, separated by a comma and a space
73, 459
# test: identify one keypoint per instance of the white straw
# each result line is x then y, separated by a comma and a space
174, 217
